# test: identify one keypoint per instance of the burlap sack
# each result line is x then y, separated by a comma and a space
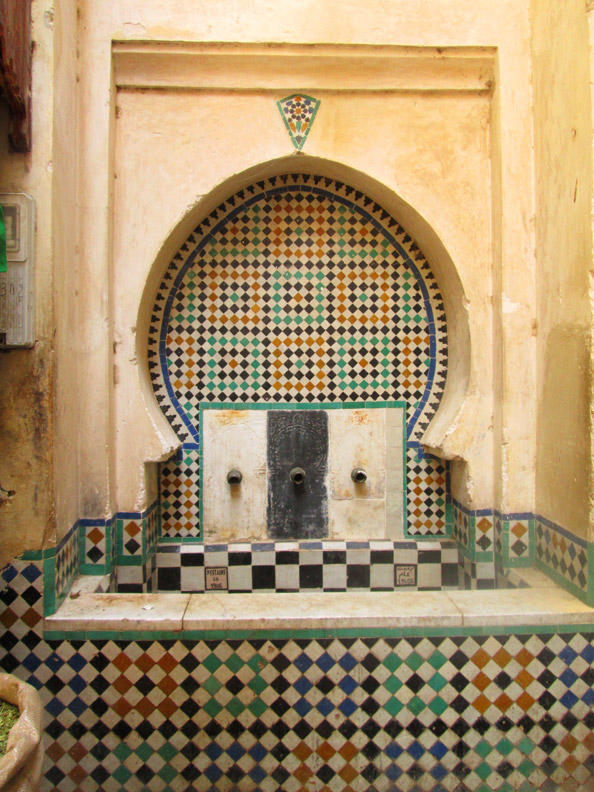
20, 767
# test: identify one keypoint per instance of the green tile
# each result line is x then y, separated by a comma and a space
483, 749
235, 706
392, 684
257, 684
234, 663
167, 773
212, 662
212, 707
436, 659
393, 706
483, 771
122, 774
257, 707
526, 767
438, 706
437, 682
167, 752
122, 751
212, 685
504, 746
144, 751
392, 662
414, 661
416, 705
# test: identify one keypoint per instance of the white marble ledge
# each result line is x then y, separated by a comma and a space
119, 612
514, 607
331, 610
335, 610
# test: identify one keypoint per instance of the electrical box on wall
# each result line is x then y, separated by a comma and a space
17, 326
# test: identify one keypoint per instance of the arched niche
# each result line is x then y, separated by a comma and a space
423, 235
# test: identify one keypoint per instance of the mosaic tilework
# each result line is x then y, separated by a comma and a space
562, 555
519, 538
484, 532
137, 537
427, 496
21, 611
67, 562
425, 712
298, 112
306, 566
474, 532
95, 543
297, 289
461, 525
180, 494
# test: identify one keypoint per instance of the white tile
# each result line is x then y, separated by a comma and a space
239, 578
287, 576
192, 578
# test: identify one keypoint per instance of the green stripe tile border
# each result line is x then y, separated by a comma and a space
386, 632
37, 555
49, 589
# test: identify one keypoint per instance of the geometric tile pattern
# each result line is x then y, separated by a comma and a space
519, 538
290, 291
474, 532
95, 544
426, 712
298, 113
484, 532
180, 494
298, 289
131, 537
563, 555
427, 493
375, 565
461, 527
67, 563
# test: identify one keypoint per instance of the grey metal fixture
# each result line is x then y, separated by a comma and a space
297, 476
234, 477
358, 475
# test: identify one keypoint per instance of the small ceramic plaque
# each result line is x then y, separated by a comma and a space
406, 575
216, 578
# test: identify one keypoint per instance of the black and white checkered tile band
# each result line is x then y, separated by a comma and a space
305, 566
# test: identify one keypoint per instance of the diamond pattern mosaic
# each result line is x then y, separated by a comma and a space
180, 494
427, 493
298, 112
563, 555
426, 712
296, 290
67, 563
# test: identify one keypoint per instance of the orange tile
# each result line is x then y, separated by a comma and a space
302, 751
348, 751
503, 702
77, 752
325, 750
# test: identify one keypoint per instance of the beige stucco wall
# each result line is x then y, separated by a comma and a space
563, 183
26, 376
